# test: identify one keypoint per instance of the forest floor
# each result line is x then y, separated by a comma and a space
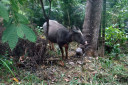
82, 70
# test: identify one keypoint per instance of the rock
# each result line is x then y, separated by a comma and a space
71, 63
80, 62
79, 52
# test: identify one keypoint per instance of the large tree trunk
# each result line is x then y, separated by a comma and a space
91, 25
103, 28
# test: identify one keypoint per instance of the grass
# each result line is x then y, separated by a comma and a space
112, 71
5, 64
109, 70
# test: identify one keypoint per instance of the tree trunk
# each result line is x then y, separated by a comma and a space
46, 15
103, 28
91, 25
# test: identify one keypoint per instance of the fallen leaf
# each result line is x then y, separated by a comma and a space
100, 67
94, 72
43, 37
61, 63
67, 80
71, 63
16, 80
11, 57
21, 58
88, 61
80, 62
91, 69
43, 66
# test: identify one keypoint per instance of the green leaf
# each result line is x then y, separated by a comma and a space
28, 32
7, 66
46, 7
5, 1
10, 36
20, 32
22, 18
4, 12
21, 2
6, 24
14, 5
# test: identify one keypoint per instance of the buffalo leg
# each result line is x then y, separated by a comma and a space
62, 52
66, 51
51, 45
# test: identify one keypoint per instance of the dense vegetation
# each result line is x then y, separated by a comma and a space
23, 20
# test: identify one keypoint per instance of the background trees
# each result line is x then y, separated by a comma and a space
115, 20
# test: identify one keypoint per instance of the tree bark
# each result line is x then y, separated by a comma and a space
46, 15
103, 28
91, 25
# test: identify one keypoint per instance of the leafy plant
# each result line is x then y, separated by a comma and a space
74, 81
106, 63
6, 64
16, 25
111, 71
117, 12
114, 38
4, 12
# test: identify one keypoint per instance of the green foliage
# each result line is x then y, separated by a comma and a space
116, 22
21, 18
116, 48
33, 11
114, 36
4, 12
111, 72
74, 81
31, 78
117, 12
5, 1
15, 25
10, 36
6, 64
21, 1
20, 32
26, 32
106, 63
70, 12
13, 32
14, 5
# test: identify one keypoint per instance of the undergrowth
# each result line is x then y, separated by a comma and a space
109, 70
112, 70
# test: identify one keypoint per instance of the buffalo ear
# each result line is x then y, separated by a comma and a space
78, 28
74, 29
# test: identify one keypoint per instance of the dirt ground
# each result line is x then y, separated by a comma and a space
75, 70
